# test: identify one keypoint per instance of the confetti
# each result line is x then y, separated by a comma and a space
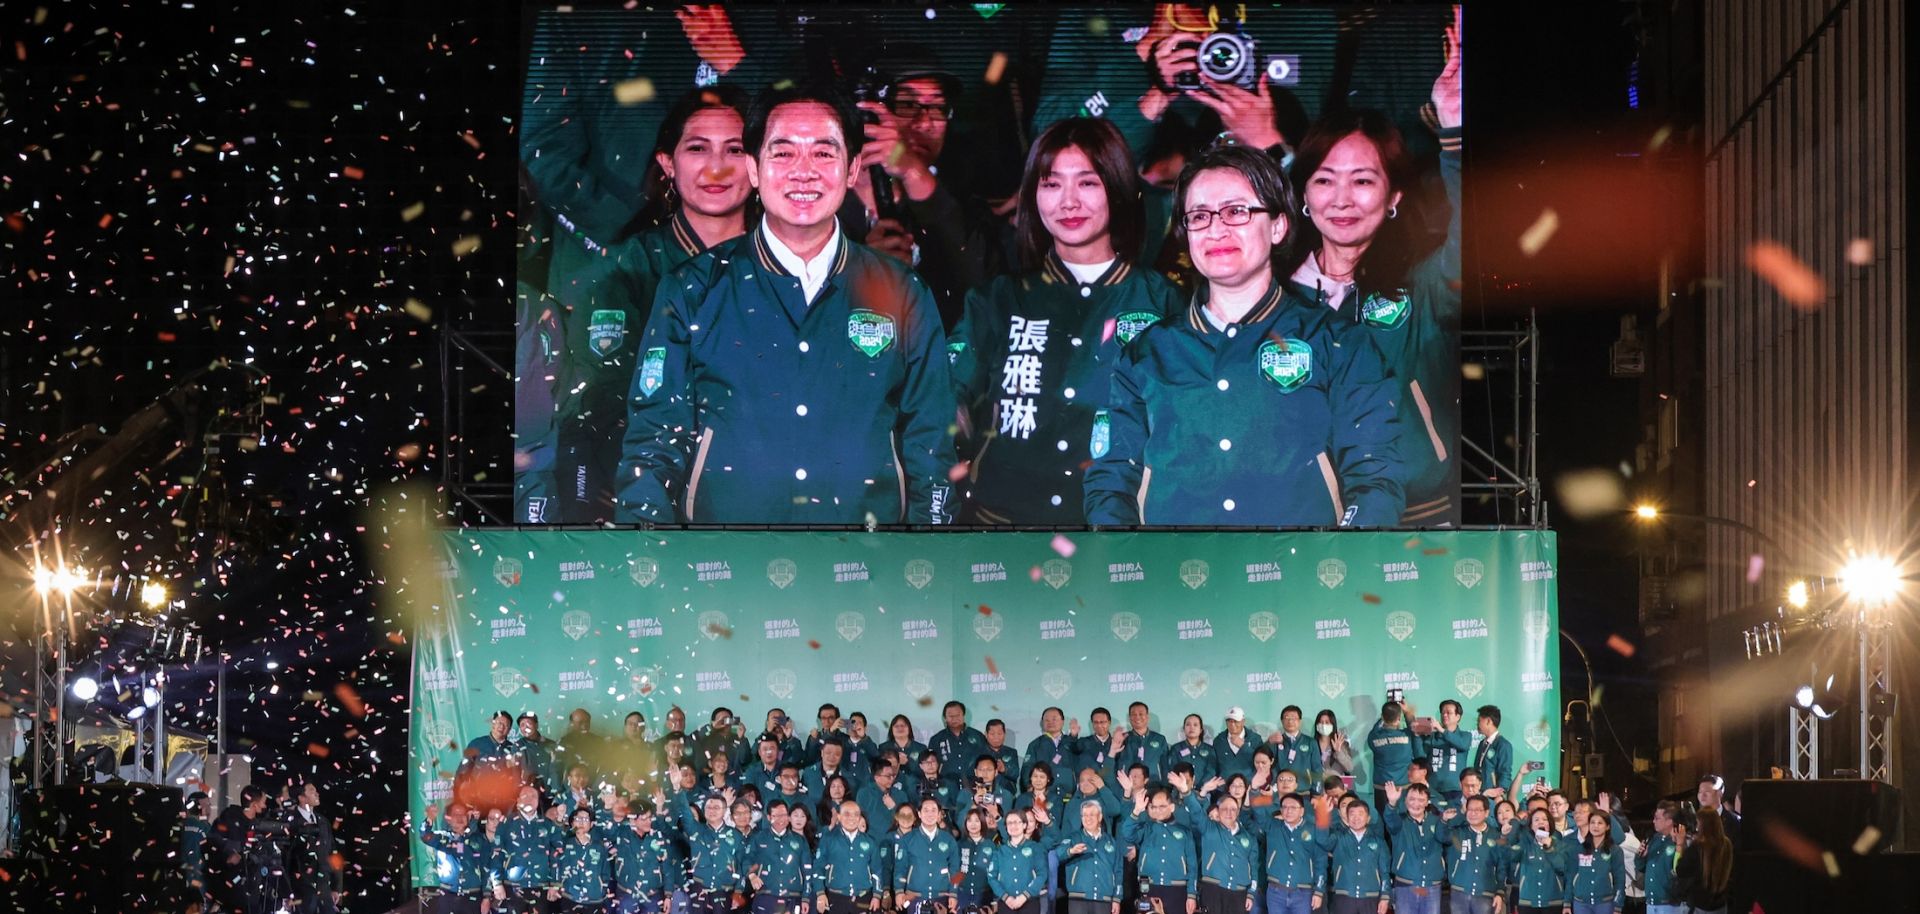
1620, 645
1793, 279
1063, 546
996, 68
1535, 238
1860, 251
1591, 492
633, 91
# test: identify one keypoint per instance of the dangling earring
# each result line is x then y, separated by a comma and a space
1393, 212
1303, 210
672, 195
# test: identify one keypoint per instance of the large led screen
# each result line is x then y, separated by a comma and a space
1115, 266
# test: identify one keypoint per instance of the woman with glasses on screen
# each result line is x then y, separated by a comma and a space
1254, 408
1352, 171
1033, 357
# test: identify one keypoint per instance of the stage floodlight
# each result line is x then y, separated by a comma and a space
85, 688
1871, 579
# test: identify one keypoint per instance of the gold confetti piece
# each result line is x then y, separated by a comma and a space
466, 245
1589, 493
1540, 232
419, 310
1864, 844
633, 91
996, 68
1860, 252
1796, 282
1660, 138
413, 212
1097, 26
1833, 865
1473, 371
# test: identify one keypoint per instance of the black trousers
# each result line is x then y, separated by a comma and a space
1083, 906
1172, 898
1219, 899
846, 904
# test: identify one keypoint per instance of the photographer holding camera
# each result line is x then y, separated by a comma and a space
246, 854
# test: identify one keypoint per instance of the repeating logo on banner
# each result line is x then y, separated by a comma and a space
919, 683
1537, 624
1125, 625
781, 682
714, 623
850, 625
653, 370
870, 332
1331, 572
507, 680
1193, 573
507, 571
1331, 682
987, 625
1469, 572
1537, 734
576, 623
1400, 625
647, 679
1263, 625
1056, 682
781, 572
1056, 572
643, 569
1194, 682
441, 734
1469, 682
920, 574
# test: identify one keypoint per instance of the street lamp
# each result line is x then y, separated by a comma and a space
1646, 511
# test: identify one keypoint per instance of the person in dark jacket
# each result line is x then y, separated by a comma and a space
316, 883
792, 375
1254, 408
1703, 870
698, 189
244, 854
1033, 357
1353, 171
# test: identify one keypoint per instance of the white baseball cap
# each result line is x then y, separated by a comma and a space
1237, 713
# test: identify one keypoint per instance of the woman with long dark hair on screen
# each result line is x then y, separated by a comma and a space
1033, 355
699, 192
1358, 256
1336, 756
1255, 407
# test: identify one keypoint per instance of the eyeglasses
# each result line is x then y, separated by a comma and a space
1197, 220
911, 109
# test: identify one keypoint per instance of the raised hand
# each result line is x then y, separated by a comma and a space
711, 34
1246, 115
1446, 88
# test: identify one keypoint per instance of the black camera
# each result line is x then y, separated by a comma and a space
873, 86
1230, 55
1143, 902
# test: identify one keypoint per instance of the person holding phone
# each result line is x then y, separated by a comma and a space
1445, 747
1392, 746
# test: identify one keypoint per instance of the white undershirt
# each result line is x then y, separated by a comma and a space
1088, 272
811, 273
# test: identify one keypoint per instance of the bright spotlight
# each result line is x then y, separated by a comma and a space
136, 713
43, 580
1646, 511
1871, 579
85, 688
1797, 595
153, 594
149, 696
1823, 701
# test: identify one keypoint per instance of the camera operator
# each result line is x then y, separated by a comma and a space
316, 884
247, 849
912, 213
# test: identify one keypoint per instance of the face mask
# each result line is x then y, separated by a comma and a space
1324, 729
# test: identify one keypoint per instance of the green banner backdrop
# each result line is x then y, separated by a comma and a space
615, 621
